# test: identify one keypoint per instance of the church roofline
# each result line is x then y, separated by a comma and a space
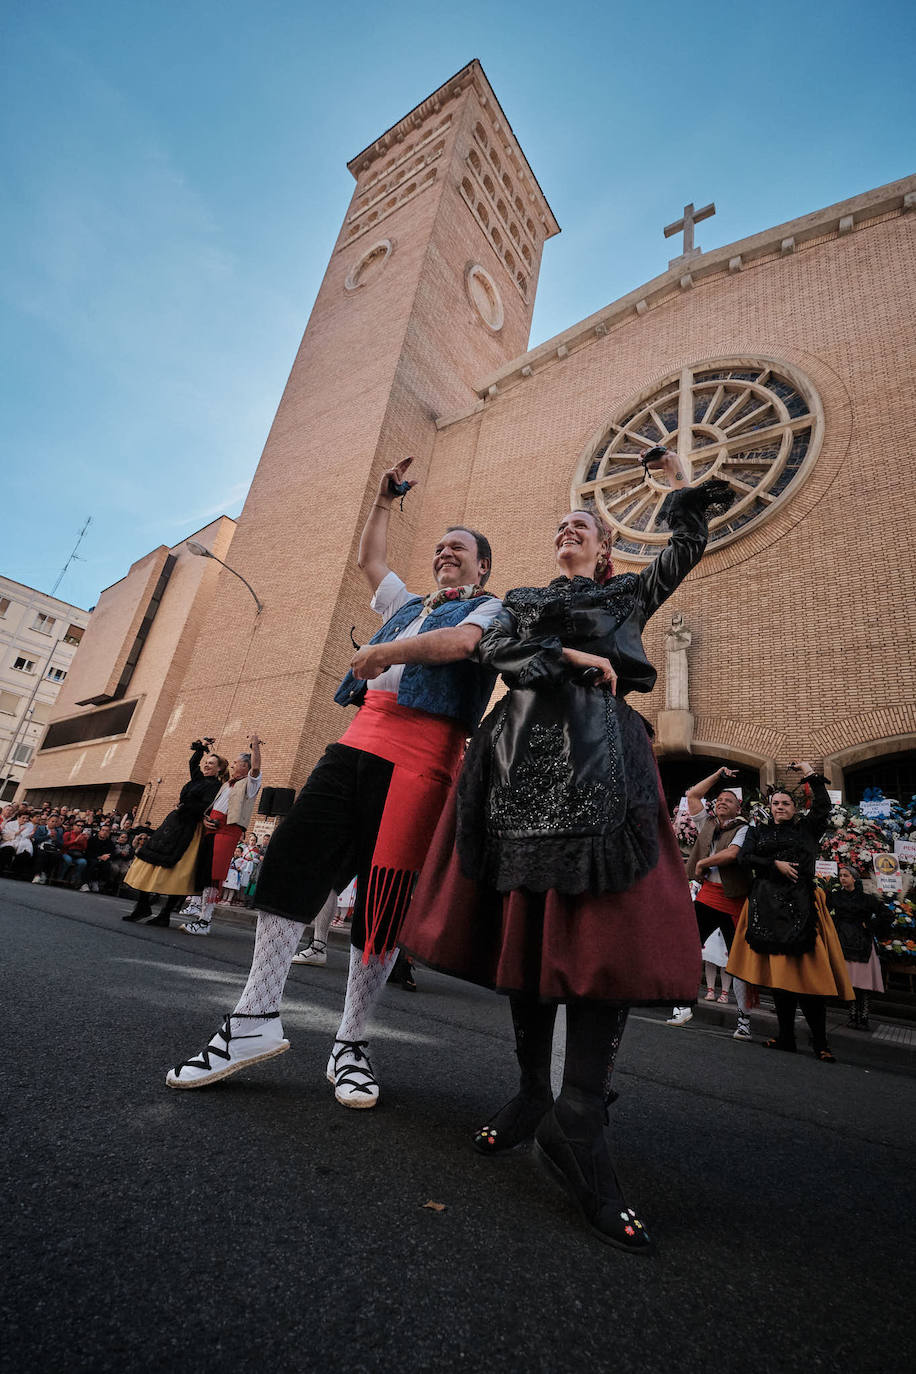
839, 219
449, 90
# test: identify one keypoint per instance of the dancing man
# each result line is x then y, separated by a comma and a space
371, 803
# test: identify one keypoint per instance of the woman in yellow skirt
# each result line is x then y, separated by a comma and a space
786, 939
170, 854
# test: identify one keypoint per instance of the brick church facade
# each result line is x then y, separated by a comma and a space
783, 363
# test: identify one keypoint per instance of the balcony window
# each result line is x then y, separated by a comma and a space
9, 703
56, 674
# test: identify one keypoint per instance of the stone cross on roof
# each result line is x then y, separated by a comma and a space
691, 217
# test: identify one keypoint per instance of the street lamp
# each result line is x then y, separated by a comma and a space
202, 552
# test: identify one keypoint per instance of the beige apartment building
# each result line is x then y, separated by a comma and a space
122, 693
782, 363
39, 635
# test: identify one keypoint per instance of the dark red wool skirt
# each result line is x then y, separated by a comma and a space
639, 947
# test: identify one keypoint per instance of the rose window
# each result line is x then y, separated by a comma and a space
754, 425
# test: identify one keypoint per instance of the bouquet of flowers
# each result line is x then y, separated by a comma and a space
685, 829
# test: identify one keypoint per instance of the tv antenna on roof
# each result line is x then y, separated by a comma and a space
74, 554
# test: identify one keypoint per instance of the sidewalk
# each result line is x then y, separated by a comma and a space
890, 1045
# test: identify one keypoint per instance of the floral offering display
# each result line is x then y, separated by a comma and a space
901, 943
852, 838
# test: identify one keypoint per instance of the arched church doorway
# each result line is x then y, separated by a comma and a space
895, 774
680, 773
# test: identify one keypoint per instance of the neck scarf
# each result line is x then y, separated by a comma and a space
436, 599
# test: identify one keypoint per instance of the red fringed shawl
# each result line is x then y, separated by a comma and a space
426, 751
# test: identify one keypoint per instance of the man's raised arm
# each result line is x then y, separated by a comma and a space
697, 792
373, 543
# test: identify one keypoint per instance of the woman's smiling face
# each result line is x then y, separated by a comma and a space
578, 542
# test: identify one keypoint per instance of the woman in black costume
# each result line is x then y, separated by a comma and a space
168, 860
859, 916
785, 939
555, 876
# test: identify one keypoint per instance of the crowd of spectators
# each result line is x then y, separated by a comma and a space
89, 850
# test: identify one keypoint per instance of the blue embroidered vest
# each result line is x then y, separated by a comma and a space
460, 690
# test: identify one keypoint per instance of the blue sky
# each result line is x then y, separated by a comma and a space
174, 179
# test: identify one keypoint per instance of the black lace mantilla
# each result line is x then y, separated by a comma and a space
529, 604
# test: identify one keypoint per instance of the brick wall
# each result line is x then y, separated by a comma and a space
800, 637
802, 630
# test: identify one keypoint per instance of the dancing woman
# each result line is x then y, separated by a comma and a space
785, 939
224, 825
169, 859
557, 877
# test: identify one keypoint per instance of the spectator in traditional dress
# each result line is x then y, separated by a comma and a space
859, 917
724, 888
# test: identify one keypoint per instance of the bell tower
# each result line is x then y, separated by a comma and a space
430, 286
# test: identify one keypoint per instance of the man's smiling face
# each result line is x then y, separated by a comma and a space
456, 562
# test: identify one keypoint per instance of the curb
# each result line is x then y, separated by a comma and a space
891, 1045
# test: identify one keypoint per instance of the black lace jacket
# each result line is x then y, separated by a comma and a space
559, 785
167, 844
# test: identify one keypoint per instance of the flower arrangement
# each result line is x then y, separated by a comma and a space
685, 829
901, 824
901, 943
852, 838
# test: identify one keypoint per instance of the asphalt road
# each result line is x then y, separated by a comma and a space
259, 1226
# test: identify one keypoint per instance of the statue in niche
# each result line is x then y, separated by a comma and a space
677, 641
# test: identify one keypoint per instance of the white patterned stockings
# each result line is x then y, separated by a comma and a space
275, 943
364, 988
